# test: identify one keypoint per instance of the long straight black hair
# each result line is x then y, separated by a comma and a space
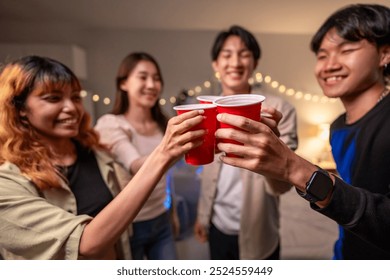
122, 103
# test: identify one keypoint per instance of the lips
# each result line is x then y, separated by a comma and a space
150, 94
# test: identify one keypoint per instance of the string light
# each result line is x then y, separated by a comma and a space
267, 79
83, 93
95, 98
106, 101
258, 78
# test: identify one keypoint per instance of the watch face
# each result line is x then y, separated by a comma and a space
319, 185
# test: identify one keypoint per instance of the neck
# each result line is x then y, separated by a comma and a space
139, 115
64, 152
142, 121
359, 105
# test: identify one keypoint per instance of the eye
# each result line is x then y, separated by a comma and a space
77, 97
246, 54
347, 51
321, 56
52, 98
225, 55
157, 78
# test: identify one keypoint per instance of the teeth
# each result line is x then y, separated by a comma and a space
235, 74
68, 121
331, 79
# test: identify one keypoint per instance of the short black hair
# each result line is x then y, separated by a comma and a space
355, 23
247, 37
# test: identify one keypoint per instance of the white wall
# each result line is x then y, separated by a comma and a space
185, 61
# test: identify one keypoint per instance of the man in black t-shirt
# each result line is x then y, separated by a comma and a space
352, 64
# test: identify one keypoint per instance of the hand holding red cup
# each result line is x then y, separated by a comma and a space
204, 153
246, 105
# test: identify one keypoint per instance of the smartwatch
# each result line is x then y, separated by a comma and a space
318, 187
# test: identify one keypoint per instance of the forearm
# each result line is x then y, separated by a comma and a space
136, 164
361, 212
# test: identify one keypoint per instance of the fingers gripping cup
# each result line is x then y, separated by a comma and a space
207, 99
246, 105
204, 153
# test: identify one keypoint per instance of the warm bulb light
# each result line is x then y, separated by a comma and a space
274, 84
95, 98
162, 102
83, 93
282, 88
106, 101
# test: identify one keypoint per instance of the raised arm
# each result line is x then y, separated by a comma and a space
104, 230
361, 212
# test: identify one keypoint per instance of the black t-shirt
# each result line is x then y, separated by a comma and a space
362, 154
87, 184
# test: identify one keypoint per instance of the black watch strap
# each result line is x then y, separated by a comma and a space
318, 186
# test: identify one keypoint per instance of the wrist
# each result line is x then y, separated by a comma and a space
318, 188
300, 173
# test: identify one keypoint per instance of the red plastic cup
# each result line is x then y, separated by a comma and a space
204, 153
246, 105
207, 99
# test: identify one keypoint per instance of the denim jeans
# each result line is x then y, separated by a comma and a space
153, 239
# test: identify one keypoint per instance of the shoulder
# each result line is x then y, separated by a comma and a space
10, 171
111, 125
110, 120
11, 176
338, 123
107, 119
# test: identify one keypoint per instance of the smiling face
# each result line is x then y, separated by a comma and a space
235, 64
143, 85
347, 69
54, 114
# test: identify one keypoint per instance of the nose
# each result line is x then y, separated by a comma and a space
150, 83
69, 105
235, 60
332, 63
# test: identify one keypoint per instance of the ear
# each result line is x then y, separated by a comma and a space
22, 112
23, 116
385, 55
123, 86
214, 64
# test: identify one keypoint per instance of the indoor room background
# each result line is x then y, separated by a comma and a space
92, 37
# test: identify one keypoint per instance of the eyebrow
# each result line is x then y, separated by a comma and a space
340, 45
240, 50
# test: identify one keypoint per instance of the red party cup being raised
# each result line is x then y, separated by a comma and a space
207, 99
204, 153
246, 105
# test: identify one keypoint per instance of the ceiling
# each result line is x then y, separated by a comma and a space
271, 16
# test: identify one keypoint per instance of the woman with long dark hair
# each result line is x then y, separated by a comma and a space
134, 128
